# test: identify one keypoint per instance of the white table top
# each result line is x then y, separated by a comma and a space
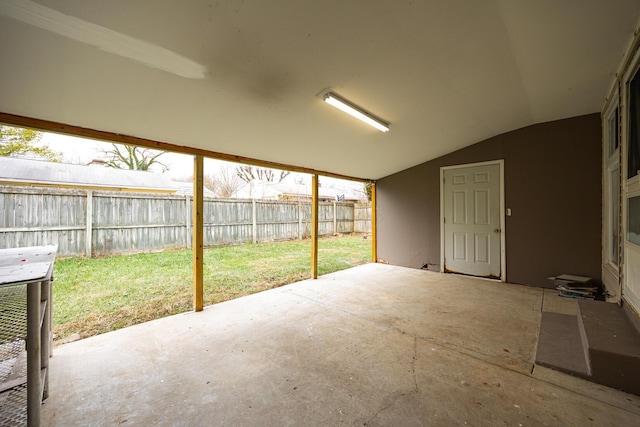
25, 265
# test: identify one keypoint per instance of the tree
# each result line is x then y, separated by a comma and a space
134, 158
251, 173
225, 183
367, 188
20, 142
209, 183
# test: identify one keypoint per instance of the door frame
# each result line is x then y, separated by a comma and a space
503, 252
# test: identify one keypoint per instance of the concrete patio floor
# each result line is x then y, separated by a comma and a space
374, 345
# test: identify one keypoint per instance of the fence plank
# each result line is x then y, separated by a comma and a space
362, 217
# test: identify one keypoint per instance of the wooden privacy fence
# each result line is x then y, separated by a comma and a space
92, 222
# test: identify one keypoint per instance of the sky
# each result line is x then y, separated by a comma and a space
180, 166
83, 151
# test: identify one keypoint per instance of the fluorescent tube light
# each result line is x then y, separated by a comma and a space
351, 109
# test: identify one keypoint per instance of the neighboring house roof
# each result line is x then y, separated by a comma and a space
304, 197
186, 189
39, 172
295, 191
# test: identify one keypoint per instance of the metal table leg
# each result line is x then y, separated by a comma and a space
45, 335
33, 354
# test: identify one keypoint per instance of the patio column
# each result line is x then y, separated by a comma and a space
374, 228
314, 227
198, 232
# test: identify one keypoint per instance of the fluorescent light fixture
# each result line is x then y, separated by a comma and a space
355, 111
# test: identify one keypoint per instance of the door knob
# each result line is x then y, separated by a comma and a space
497, 230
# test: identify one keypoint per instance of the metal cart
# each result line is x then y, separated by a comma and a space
25, 332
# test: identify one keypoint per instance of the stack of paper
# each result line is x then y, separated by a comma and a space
571, 286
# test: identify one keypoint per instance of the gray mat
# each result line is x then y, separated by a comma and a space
560, 345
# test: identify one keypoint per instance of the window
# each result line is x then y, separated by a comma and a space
612, 184
633, 226
614, 214
613, 142
633, 156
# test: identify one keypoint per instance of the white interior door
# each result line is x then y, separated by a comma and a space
472, 217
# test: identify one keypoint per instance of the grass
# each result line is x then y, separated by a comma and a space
97, 295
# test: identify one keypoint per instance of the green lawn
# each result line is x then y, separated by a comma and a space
97, 295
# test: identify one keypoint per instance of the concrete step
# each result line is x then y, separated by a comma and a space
612, 344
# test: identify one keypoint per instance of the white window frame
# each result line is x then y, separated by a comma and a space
629, 184
611, 162
629, 268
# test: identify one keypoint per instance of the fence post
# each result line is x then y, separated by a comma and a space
353, 213
335, 218
89, 225
187, 235
254, 225
299, 220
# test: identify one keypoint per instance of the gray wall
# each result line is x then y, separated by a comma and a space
552, 185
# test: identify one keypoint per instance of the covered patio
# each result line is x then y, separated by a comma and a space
372, 345
534, 92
